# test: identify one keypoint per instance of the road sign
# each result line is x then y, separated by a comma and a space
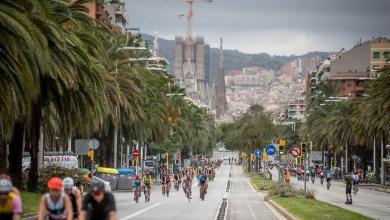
295, 151
270, 149
265, 154
93, 144
135, 153
258, 153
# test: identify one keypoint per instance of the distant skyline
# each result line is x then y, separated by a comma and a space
277, 27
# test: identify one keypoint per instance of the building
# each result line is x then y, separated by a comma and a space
111, 14
352, 69
220, 90
369, 56
296, 108
193, 74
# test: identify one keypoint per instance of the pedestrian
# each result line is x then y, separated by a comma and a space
287, 177
348, 190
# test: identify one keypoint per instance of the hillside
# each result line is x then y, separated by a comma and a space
234, 59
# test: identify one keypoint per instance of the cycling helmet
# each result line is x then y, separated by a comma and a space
55, 183
5, 185
97, 186
68, 183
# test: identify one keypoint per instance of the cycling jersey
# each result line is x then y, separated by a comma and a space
187, 184
166, 179
137, 184
146, 180
202, 179
73, 200
99, 210
12, 206
57, 209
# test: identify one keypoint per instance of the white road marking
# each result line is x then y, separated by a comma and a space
251, 211
140, 212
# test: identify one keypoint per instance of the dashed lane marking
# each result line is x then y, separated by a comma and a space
140, 211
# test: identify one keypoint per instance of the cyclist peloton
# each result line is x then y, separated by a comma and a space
98, 204
74, 195
55, 205
10, 202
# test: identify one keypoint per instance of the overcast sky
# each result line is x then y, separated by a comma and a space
278, 27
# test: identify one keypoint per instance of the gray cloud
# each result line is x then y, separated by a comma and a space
273, 26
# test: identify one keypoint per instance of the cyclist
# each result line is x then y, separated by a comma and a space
55, 205
77, 183
176, 179
166, 184
137, 186
322, 177
10, 202
187, 185
203, 183
147, 179
74, 195
355, 178
98, 204
328, 177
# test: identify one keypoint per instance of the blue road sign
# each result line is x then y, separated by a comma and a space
271, 150
258, 153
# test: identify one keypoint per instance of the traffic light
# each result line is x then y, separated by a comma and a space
282, 143
91, 154
303, 148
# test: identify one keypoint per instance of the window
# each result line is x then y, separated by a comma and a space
376, 55
386, 54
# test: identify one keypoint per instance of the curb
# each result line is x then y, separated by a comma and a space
282, 210
30, 217
253, 185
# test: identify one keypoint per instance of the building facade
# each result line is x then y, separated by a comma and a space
111, 14
193, 75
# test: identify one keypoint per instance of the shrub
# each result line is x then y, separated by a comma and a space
289, 191
51, 171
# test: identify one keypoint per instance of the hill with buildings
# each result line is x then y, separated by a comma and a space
234, 59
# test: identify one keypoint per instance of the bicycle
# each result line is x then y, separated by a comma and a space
188, 195
202, 192
328, 185
176, 185
355, 189
137, 194
313, 179
147, 194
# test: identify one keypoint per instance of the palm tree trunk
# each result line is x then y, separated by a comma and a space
35, 134
16, 155
3, 156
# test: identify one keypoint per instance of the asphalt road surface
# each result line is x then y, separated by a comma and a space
243, 202
367, 202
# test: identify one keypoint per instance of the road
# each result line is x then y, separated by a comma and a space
243, 202
367, 202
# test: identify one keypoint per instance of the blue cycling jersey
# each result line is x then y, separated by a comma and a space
137, 184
